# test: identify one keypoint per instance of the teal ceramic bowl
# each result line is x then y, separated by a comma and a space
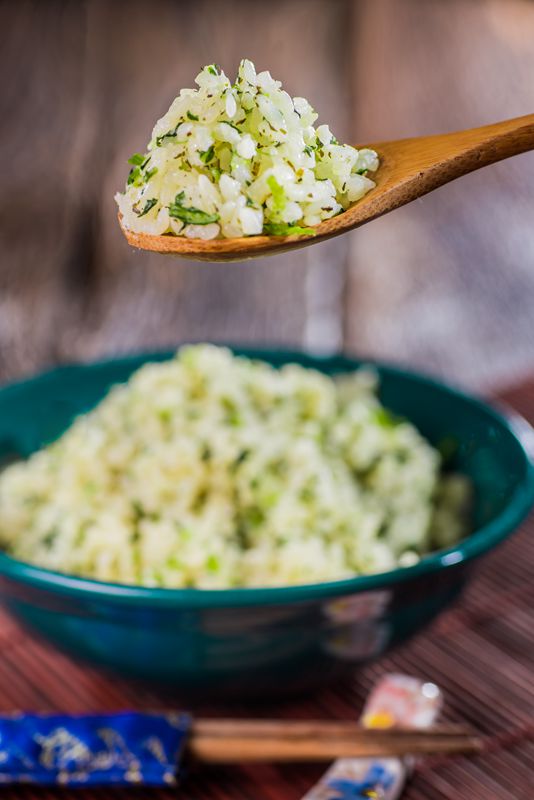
264, 641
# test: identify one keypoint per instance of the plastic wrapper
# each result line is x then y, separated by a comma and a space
397, 700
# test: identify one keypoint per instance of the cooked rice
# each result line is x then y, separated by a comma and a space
238, 160
215, 471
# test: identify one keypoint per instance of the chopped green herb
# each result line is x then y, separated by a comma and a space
192, 117
137, 159
148, 205
361, 171
150, 173
173, 562
225, 122
385, 418
137, 510
215, 173
253, 516
232, 414
214, 69
212, 563
279, 196
308, 149
283, 229
169, 135
50, 537
243, 455
191, 216
207, 155
135, 177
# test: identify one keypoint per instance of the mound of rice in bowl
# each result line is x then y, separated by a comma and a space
231, 160
215, 471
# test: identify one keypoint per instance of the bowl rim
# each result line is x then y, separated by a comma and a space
474, 545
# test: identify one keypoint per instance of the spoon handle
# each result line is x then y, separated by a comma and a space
411, 168
465, 151
497, 141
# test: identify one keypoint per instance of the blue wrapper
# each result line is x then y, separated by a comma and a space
94, 749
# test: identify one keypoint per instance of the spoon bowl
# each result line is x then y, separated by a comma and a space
409, 168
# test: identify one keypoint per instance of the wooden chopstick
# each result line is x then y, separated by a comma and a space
299, 728
226, 741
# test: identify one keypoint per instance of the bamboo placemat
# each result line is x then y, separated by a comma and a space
481, 654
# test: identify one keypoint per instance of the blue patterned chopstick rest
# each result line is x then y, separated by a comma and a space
93, 749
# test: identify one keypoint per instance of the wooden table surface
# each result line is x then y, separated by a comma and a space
481, 653
446, 283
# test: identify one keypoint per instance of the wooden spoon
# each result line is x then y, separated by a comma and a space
409, 168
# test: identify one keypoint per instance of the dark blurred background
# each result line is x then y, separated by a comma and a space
446, 283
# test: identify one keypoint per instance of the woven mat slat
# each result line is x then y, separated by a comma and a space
481, 653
